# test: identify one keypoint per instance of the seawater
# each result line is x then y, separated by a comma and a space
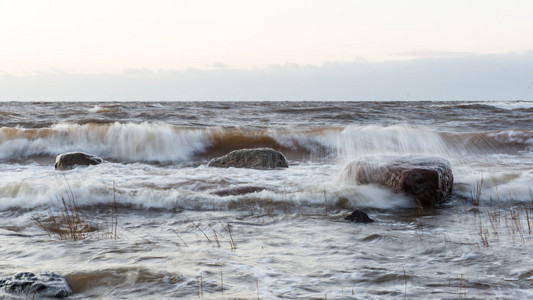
176, 239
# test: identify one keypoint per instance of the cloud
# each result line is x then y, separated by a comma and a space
463, 77
220, 65
432, 53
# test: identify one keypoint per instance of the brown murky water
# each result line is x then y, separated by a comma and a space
175, 238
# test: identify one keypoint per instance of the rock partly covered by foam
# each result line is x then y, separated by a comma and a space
358, 216
428, 180
69, 160
258, 158
46, 284
237, 191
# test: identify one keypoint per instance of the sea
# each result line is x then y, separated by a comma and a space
151, 223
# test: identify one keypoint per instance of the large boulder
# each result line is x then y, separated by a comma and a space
46, 284
70, 160
259, 158
428, 180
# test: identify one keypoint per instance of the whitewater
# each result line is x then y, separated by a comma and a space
176, 238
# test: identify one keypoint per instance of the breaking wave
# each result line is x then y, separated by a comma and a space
510, 105
128, 142
161, 142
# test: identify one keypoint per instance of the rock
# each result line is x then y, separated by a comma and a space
46, 284
242, 190
428, 180
358, 217
69, 160
258, 158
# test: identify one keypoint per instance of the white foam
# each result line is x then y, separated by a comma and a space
354, 141
510, 105
127, 142
497, 182
98, 109
303, 186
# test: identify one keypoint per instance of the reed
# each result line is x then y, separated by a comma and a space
68, 223
215, 235
483, 233
475, 195
497, 220
198, 227
199, 286
222, 283
114, 211
509, 223
404, 282
325, 203
232, 241
527, 218
460, 291
180, 238
257, 287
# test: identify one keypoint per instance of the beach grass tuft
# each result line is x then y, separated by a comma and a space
475, 195
67, 222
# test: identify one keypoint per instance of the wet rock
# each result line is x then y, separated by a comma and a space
46, 284
70, 160
428, 180
242, 190
358, 217
259, 158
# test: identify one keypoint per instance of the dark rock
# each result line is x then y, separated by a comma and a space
46, 284
69, 160
258, 158
242, 190
428, 180
358, 217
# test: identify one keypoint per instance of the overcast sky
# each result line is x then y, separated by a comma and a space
266, 50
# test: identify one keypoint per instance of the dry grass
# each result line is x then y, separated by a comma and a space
217, 235
68, 223
475, 195
507, 221
496, 220
232, 241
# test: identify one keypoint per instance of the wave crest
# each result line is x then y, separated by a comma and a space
161, 142
129, 142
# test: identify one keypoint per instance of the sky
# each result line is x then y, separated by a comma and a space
68, 50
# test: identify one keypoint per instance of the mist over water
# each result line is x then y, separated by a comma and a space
291, 239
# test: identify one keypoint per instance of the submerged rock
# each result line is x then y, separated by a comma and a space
69, 160
258, 158
428, 180
46, 284
358, 217
242, 190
